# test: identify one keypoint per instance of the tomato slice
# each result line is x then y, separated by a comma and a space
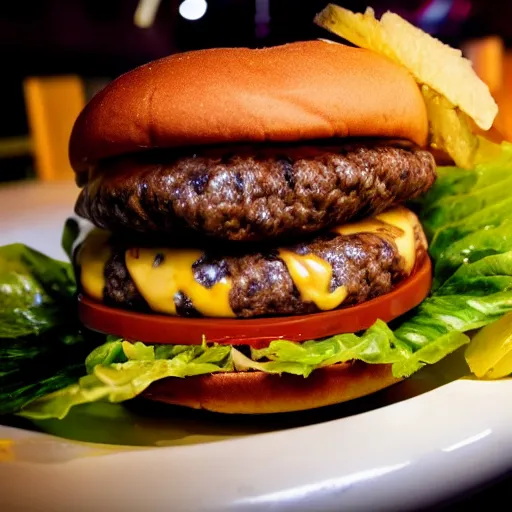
256, 332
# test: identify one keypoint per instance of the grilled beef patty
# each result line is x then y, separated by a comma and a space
367, 264
253, 193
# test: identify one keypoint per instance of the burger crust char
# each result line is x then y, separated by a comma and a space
367, 264
253, 195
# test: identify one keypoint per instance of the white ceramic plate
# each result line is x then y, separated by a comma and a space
416, 444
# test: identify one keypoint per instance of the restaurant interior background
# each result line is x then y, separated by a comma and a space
57, 53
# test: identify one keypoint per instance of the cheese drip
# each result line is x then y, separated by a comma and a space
92, 257
312, 276
160, 274
397, 224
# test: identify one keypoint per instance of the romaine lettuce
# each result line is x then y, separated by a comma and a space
33, 290
41, 349
120, 370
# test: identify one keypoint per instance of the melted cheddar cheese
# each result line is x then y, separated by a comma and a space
160, 274
404, 220
397, 224
312, 276
92, 257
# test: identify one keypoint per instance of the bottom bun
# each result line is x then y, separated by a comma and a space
263, 393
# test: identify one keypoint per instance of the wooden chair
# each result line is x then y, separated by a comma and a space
52, 105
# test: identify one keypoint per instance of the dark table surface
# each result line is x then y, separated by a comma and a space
498, 491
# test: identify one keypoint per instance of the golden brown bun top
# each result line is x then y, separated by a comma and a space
298, 91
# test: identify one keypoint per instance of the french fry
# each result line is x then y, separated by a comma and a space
454, 95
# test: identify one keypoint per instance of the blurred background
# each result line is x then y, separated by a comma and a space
56, 54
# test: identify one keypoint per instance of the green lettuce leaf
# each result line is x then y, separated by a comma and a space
495, 215
126, 371
119, 370
473, 247
33, 366
449, 209
475, 295
34, 289
467, 214
377, 345
41, 349
458, 193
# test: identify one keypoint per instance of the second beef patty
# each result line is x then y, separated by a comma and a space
366, 264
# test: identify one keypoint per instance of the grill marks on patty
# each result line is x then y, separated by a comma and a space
284, 192
367, 264
209, 270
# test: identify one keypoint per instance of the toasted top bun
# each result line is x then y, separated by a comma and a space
298, 91
263, 393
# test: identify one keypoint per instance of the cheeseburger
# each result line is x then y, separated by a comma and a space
241, 197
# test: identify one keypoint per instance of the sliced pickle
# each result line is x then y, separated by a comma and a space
489, 355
